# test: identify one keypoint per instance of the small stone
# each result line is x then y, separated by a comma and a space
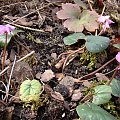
76, 95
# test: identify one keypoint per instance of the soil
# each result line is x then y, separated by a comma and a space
44, 44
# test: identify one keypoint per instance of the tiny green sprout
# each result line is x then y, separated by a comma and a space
30, 91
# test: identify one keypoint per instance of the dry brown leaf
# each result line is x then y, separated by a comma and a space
86, 83
101, 76
47, 75
57, 96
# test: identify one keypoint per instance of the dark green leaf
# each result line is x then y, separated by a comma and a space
97, 44
115, 87
91, 111
73, 38
102, 94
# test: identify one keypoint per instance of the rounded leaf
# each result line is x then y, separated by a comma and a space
30, 90
96, 44
102, 94
115, 87
91, 111
73, 38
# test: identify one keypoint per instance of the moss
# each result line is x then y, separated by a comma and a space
89, 59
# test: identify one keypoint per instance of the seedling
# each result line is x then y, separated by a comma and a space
30, 91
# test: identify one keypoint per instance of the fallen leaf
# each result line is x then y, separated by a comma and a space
86, 83
101, 76
57, 96
47, 75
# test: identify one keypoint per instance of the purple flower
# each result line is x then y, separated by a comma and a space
105, 22
6, 29
118, 57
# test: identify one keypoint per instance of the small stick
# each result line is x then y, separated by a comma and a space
17, 62
93, 73
38, 10
27, 28
8, 86
33, 12
4, 53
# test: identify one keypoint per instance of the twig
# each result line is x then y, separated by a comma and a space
103, 10
8, 85
90, 5
116, 70
33, 12
76, 51
38, 10
23, 27
17, 62
93, 73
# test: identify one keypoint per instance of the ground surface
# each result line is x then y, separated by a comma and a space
48, 45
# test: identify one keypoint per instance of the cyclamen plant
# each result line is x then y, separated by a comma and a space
5, 29
77, 20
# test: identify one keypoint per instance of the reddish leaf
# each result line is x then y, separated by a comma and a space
69, 11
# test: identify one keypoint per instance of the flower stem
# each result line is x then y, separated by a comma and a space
4, 54
113, 76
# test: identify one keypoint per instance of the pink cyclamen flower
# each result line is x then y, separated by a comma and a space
105, 22
118, 57
6, 29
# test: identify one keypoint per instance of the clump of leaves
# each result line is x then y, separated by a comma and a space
94, 44
76, 20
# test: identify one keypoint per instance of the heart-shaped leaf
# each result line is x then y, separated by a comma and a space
73, 38
30, 90
97, 44
91, 111
87, 19
102, 94
76, 20
115, 87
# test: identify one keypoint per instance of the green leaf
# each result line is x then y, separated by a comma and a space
73, 38
117, 45
3, 37
91, 111
96, 44
115, 87
81, 4
102, 94
30, 90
